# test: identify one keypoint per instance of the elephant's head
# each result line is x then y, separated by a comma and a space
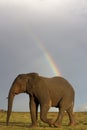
20, 85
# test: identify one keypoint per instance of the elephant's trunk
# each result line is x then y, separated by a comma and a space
10, 102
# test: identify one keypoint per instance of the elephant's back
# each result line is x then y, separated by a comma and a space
58, 81
59, 84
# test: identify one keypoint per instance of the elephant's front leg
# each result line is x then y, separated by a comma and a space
33, 111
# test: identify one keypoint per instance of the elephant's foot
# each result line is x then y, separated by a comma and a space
72, 123
54, 124
50, 122
57, 124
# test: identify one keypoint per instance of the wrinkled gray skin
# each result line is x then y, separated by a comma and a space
48, 92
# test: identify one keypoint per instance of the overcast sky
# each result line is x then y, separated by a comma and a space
61, 27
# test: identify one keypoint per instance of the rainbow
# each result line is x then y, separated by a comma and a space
47, 56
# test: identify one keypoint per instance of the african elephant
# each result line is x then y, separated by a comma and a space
48, 92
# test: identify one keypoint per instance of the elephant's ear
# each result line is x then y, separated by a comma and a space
33, 79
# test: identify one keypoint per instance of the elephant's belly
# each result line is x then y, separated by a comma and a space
56, 97
55, 102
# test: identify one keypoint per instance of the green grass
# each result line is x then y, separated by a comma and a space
21, 121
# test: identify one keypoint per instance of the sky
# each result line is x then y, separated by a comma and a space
43, 36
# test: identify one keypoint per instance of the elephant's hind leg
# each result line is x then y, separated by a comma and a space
71, 116
59, 118
43, 114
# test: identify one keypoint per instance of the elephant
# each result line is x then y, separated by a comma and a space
46, 92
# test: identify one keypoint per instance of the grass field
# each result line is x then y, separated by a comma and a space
21, 121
